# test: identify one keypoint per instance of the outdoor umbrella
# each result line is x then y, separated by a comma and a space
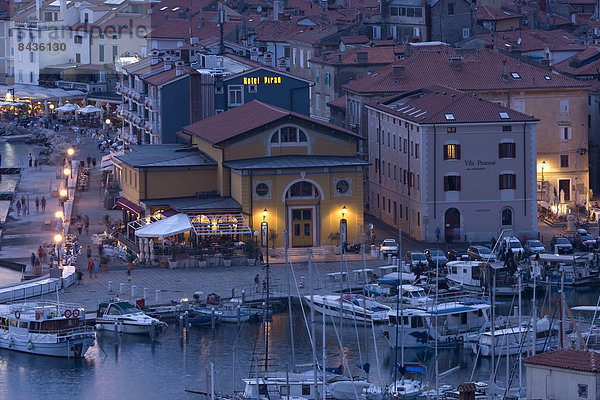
89, 109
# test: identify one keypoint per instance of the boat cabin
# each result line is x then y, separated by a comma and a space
116, 308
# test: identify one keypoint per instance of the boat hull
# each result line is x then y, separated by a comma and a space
376, 317
75, 348
127, 327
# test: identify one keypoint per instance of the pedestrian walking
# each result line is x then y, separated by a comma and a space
43, 203
79, 226
35, 164
30, 158
264, 286
86, 224
78, 274
89, 161
23, 203
36, 266
96, 268
94, 161
18, 207
256, 283
90, 268
100, 250
37, 205
89, 251
41, 253
33, 258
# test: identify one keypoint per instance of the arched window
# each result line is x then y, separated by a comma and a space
289, 136
507, 216
302, 189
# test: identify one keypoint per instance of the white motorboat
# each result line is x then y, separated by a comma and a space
349, 306
518, 339
475, 276
415, 296
405, 389
45, 328
455, 322
229, 311
124, 317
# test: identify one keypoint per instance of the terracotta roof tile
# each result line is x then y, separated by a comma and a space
486, 13
340, 102
439, 104
359, 39
585, 63
482, 70
180, 29
167, 76
578, 360
535, 39
245, 118
375, 55
277, 31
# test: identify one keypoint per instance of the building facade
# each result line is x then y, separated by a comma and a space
448, 161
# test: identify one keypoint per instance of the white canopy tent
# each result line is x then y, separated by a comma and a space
67, 108
89, 109
178, 223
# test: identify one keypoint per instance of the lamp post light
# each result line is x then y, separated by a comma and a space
67, 173
64, 196
343, 230
58, 238
543, 193
264, 238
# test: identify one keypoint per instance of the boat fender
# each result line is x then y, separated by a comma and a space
29, 345
67, 314
76, 313
99, 327
17, 314
11, 342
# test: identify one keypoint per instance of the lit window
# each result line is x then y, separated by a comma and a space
452, 152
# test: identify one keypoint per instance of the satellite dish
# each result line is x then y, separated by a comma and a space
77, 4
259, 8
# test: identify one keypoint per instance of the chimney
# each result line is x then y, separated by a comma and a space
277, 9
504, 71
200, 21
398, 71
179, 68
168, 62
63, 9
456, 63
154, 57
545, 63
362, 57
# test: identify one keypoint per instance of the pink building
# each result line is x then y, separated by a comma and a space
450, 160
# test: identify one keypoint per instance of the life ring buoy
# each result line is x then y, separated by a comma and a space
75, 313
67, 314
17, 314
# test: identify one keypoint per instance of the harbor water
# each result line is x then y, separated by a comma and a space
130, 367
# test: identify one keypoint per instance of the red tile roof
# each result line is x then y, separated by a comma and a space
486, 13
589, 63
578, 360
359, 39
375, 55
180, 29
482, 70
535, 39
161, 78
437, 102
245, 118
277, 31
340, 102
314, 34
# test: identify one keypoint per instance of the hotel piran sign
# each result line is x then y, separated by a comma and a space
478, 165
262, 80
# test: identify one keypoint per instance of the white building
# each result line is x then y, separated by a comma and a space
443, 159
563, 374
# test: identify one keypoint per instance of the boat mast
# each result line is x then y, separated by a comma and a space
520, 334
312, 325
437, 289
493, 341
289, 290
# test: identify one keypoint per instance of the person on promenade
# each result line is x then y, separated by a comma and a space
18, 207
78, 274
33, 258
90, 268
264, 286
89, 161
100, 250
256, 283
43, 203
94, 161
89, 251
30, 158
41, 253
36, 265
96, 269
37, 205
79, 226
86, 224
35, 164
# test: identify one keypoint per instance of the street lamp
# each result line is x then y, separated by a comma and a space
70, 151
58, 238
543, 166
343, 230
264, 238
67, 173
64, 195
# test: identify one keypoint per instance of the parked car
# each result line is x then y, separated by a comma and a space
561, 244
417, 258
455, 254
481, 253
533, 246
436, 257
389, 246
512, 243
585, 241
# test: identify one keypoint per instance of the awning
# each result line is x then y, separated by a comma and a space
544, 204
129, 206
178, 223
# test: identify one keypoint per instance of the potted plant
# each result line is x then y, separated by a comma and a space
227, 260
202, 261
130, 259
104, 263
272, 237
251, 251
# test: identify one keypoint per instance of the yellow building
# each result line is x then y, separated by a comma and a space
256, 157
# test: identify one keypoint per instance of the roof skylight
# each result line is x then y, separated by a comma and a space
515, 75
449, 117
504, 115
